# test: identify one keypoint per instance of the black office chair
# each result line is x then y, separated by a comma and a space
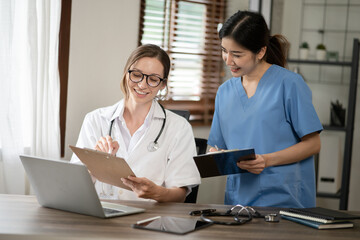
183, 113
201, 146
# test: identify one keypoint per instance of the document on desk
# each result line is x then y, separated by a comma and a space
222, 162
104, 166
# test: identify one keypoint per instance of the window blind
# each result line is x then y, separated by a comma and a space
187, 31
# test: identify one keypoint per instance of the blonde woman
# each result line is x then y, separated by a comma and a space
157, 144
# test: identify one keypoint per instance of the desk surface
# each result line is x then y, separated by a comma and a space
21, 217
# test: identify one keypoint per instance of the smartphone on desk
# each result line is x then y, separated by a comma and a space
175, 225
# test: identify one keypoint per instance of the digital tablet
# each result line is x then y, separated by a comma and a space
175, 225
222, 162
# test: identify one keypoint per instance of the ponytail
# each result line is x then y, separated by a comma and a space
277, 50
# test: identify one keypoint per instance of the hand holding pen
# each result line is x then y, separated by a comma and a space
215, 149
106, 144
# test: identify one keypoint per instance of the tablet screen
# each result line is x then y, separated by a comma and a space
171, 224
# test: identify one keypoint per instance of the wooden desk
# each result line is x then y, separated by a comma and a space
21, 217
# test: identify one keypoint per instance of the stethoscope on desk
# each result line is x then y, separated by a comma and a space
153, 146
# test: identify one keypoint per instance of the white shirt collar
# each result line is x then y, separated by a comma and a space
130, 142
117, 111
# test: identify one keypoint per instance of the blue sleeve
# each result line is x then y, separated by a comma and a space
300, 111
215, 136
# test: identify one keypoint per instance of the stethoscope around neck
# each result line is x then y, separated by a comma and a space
153, 146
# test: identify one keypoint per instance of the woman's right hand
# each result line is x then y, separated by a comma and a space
106, 144
215, 149
212, 149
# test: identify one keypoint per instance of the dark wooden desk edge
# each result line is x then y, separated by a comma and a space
64, 225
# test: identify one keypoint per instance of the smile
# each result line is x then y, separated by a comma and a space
140, 92
234, 69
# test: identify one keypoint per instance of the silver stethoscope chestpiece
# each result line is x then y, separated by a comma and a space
153, 146
272, 217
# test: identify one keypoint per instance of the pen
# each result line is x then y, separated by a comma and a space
148, 220
216, 147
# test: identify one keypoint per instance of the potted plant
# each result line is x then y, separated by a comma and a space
304, 51
320, 52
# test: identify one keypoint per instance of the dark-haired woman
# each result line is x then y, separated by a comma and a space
268, 108
165, 171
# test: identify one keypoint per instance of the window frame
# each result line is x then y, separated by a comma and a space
64, 52
212, 71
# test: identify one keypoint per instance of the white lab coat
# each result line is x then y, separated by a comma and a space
172, 165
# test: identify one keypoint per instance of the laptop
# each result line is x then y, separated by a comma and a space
67, 186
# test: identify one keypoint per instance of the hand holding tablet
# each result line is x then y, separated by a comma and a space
222, 162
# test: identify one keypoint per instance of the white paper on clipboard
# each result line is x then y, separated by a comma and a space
104, 166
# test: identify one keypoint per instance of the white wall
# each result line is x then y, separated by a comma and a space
103, 34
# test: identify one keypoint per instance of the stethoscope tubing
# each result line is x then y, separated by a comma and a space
154, 143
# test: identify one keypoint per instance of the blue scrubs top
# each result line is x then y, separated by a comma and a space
274, 118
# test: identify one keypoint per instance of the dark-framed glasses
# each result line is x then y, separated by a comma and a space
152, 80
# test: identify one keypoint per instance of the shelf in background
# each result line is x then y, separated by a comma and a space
334, 128
335, 63
329, 195
330, 31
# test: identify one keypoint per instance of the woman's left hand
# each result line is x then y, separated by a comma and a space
143, 187
255, 166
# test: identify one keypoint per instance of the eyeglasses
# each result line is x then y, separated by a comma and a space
203, 211
240, 214
152, 80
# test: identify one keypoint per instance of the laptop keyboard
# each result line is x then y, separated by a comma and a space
111, 211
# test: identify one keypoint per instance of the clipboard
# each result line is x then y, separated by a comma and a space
222, 162
104, 166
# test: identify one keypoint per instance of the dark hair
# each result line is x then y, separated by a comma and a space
249, 30
147, 50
